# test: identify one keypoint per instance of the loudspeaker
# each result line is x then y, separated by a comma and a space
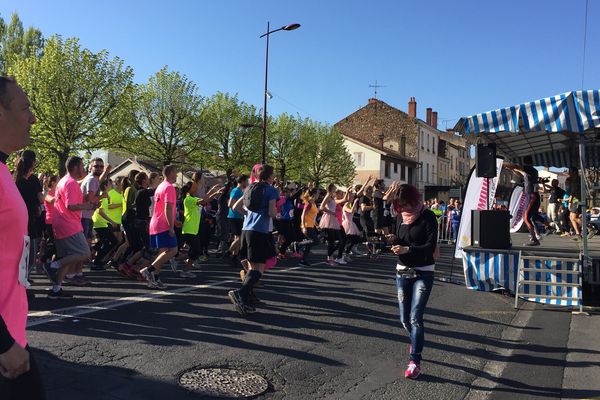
485, 160
490, 229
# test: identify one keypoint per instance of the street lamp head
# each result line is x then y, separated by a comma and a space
291, 27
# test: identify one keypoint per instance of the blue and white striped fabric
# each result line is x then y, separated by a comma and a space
487, 270
569, 296
548, 129
567, 112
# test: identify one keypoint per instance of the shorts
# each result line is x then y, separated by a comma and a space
74, 245
193, 242
235, 225
88, 227
257, 247
163, 241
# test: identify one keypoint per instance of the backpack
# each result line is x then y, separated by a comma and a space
254, 195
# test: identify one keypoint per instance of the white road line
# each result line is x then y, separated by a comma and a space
44, 317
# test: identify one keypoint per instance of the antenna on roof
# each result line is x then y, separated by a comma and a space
376, 86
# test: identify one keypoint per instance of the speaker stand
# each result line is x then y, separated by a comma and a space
488, 192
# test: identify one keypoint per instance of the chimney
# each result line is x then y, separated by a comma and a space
428, 120
412, 108
372, 101
381, 137
434, 119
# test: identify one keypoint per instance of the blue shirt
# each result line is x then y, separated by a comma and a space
287, 209
260, 221
235, 194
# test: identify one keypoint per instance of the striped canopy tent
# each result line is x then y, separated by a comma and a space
549, 129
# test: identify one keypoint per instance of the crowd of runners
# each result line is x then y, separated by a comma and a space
134, 225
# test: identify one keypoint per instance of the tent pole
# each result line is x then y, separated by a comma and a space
583, 201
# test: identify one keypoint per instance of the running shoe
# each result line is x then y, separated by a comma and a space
97, 267
304, 263
196, 265
592, 233
152, 285
173, 263
332, 262
532, 243
238, 303
281, 256
112, 264
187, 274
412, 371
124, 269
82, 281
347, 258
576, 237
341, 261
203, 258
61, 294
149, 276
51, 272
160, 285
249, 308
242, 274
296, 255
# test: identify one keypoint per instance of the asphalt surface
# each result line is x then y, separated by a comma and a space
322, 332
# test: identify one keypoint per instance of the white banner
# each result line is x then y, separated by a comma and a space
476, 198
516, 208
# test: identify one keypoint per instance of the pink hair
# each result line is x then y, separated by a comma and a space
254, 174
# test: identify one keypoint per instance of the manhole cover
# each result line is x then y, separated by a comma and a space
221, 382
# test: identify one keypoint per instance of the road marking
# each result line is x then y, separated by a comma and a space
37, 318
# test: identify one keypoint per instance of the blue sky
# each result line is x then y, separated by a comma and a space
458, 57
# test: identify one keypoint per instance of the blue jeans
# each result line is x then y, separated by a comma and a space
413, 294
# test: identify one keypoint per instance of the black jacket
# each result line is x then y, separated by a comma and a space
421, 238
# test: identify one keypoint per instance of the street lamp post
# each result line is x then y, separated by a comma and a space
290, 27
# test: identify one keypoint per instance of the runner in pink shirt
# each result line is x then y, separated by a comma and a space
19, 376
162, 227
71, 245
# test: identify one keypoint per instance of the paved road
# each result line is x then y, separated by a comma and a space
323, 333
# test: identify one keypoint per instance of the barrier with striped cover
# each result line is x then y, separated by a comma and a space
488, 270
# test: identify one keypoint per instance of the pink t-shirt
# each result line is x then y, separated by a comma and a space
65, 222
49, 208
13, 217
165, 193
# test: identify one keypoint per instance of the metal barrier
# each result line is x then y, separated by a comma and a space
549, 280
445, 232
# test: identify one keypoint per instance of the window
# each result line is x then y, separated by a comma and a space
395, 168
359, 159
387, 169
433, 144
421, 169
428, 142
402, 172
422, 148
433, 173
427, 176
410, 175
403, 145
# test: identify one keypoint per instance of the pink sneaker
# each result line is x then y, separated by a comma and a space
332, 263
412, 371
296, 255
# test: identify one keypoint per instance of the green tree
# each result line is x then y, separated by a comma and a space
79, 99
323, 158
167, 120
285, 145
17, 42
232, 147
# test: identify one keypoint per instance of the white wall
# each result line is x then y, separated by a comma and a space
371, 157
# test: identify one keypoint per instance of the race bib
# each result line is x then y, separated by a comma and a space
24, 263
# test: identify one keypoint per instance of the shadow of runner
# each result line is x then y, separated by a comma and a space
65, 380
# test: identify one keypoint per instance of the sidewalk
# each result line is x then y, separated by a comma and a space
582, 370
550, 353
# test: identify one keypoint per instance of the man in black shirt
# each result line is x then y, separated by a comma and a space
554, 201
530, 185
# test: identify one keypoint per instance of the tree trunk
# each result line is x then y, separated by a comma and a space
63, 156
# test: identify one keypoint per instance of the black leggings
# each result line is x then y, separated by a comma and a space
334, 241
286, 230
106, 243
532, 214
351, 241
28, 386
